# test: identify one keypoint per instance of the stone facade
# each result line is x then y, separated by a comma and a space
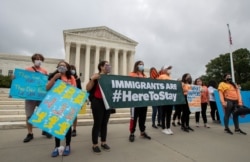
8, 63
84, 48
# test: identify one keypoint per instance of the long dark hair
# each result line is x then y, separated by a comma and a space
184, 80
212, 83
72, 67
135, 70
102, 63
231, 82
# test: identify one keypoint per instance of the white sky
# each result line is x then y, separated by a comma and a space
186, 34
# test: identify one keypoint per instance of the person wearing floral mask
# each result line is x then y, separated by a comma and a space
63, 72
30, 105
100, 114
138, 112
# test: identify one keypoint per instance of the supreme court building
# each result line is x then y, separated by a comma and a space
84, 48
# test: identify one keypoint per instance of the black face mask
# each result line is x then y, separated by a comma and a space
229, 79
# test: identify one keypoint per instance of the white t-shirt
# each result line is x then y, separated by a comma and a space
211, 93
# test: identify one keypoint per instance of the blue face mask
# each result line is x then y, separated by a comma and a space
140, 67
73, 72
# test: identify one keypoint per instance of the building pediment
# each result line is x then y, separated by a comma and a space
101, 32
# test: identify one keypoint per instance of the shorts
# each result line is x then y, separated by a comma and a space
30, 106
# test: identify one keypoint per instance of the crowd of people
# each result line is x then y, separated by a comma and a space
162, 114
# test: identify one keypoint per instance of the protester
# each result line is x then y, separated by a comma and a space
230, 99
63, 72
79, 86
156, 110
186, 86
100, 114
204, 103
138, 112
177, 113
30, 105
166, 110
212, 86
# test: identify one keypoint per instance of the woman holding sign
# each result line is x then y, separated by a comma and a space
63, 72
138, 112
100, 114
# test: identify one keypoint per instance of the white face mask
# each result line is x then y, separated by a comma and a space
62, 69
37, 62
73, 72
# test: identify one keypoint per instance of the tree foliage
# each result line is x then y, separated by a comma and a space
217, 67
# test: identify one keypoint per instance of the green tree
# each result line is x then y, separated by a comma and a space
217, 67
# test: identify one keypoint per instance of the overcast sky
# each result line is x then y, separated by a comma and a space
186, 34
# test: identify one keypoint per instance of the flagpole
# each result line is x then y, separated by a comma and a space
231, 55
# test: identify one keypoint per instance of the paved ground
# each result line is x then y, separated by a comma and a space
203, 145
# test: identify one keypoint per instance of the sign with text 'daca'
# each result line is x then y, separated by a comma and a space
59, 109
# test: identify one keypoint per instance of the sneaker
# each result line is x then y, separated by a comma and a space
239, 131
185, 129
28, 138
66, 151
206, 126
227, 130
105, 147
144, 135
96, 150
159, 125
197, 125
131, 137
189, 128
73, 133
170, 131
165, 131
154, 126
55, 152
173, 124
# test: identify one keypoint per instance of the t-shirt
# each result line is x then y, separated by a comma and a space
35, 69
138, 74
71, 81
211, 93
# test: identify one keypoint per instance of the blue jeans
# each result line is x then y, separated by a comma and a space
156, 111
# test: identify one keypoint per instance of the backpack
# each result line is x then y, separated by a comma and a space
92, 91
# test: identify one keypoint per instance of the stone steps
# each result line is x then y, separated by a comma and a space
12, 113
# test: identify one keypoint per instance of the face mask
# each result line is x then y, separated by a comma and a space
62, 69
107, 68
37, 62
189, 80
140, 67
229, 79
73, 72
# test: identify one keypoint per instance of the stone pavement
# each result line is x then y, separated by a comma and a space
202, 145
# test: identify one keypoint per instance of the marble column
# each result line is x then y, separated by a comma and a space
87, 65
116, 62
124, 63
77, 58
67, 51
107, 55
97, 57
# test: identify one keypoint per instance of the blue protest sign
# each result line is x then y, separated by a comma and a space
28, 85
59, 109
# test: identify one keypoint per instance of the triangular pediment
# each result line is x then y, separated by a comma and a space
101, 32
